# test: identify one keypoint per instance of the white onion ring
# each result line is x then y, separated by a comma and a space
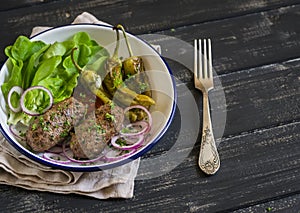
19, 91
33, 113
137, 144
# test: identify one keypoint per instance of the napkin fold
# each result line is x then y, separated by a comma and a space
18, 170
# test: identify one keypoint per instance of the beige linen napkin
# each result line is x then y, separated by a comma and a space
20, 171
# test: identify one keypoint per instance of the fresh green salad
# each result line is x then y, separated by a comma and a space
39, 68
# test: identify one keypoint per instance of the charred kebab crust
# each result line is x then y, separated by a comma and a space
54, 126
94, 133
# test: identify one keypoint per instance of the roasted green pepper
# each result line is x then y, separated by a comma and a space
113, 66
113, 82
91, 80
113, 88
134, 71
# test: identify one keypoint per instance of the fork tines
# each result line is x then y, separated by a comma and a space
204, 65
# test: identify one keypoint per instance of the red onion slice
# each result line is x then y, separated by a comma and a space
138, 142
16, 133
56, 149
144, 109
135, 129
112, 155
100, 157
30, 112
57, 158
17, 90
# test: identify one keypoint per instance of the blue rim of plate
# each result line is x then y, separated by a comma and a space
111, 165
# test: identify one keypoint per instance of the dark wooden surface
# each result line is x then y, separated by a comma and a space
256, 46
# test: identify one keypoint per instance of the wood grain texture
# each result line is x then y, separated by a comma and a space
266, 158
255, 98
255, 167
14, 4
256, 53
249, 41
262, 97
289, 204
177, 13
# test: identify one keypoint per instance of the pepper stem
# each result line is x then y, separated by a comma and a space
73, 60
119, 26
115, 54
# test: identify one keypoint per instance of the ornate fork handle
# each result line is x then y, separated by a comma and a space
209, 160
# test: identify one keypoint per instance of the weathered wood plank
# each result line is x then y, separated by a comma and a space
240, 43
181, 13
241, 181
266, 157
255, 98
14, 4
139, 14
248, 41
262, 97
289, 204
260, 161
256, 166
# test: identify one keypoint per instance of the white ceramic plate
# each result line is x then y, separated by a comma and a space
161, 81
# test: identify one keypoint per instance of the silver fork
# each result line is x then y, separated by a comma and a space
209, 160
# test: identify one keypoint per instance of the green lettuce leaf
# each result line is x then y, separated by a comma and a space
36, 100
34, 63
59, 48
46, 69
31, 67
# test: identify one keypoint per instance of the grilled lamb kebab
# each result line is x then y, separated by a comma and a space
54, 126
93, 133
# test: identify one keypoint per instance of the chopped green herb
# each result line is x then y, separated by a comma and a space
112, 105
41, 119
82, 95
121, 142
45, 128
125, 130
143, 86
52, 116
34, 126
110, 116
99, 129
67, 123
117, 82
64, 134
